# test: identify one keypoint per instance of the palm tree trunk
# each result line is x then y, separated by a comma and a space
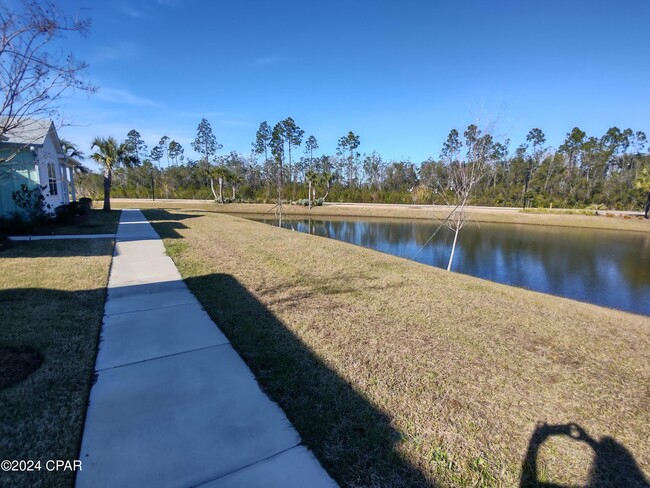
107, 189
214, 194
327, 192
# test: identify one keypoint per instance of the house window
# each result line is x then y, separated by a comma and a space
51, 176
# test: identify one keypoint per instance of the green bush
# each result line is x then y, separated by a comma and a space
85, 205
32, 203
14, 223
73, 211
65, 214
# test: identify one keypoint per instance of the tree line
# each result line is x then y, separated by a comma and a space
612, 170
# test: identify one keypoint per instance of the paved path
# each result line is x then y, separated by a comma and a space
173, 404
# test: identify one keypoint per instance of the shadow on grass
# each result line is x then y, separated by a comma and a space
353, 440
612, 464
167, 222
157, 214
58, 248
97, 222
43, 399
17, 363
166, 215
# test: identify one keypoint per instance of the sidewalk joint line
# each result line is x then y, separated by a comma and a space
203, 483
164, 356
195, 302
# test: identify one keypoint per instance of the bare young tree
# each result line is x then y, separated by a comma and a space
464, 173
32, 79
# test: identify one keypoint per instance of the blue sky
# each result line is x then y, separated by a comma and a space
400, 74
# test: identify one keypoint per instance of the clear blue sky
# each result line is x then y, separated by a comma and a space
400, 74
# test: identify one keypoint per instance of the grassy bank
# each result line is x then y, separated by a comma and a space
51, 306
399, 374
495, 215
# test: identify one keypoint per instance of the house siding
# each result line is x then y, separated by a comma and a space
30, 167
20, 171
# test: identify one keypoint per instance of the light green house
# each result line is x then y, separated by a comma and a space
31, 155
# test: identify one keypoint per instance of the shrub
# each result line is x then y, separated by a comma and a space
74, 211
65, 214
596, 207
85, 205
422, 195
16, 223
32, 203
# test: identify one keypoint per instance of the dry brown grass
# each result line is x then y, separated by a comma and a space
459, 369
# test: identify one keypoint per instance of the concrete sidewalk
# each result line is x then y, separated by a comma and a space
173, 404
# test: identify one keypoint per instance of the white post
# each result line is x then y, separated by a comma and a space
72, 189
65, 188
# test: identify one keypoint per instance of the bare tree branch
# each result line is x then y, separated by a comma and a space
32, 79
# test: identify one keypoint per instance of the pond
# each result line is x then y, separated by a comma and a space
607, 268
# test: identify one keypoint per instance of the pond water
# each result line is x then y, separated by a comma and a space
607, 268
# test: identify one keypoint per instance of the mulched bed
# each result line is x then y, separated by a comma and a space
17, 363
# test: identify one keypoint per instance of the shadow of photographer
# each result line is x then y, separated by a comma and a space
612, 465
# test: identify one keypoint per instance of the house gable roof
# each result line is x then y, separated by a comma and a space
33, 132
29, 132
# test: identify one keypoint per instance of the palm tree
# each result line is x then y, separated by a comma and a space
110, 154
325, 179
221, 173
234, 179
312, 177
72, 151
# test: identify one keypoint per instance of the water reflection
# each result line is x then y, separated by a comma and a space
607, 268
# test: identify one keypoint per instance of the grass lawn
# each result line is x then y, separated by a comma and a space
51, 302
400, 374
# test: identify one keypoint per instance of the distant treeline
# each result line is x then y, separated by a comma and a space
611, 171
